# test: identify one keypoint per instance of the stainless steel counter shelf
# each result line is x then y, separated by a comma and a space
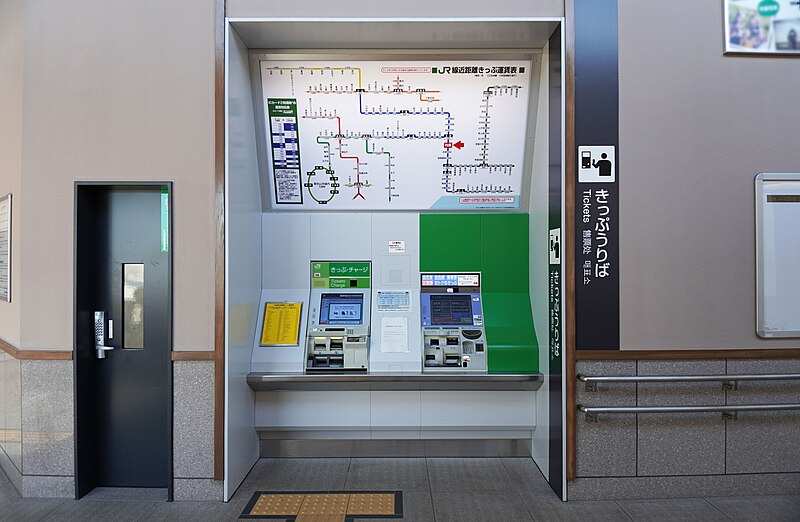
394, 381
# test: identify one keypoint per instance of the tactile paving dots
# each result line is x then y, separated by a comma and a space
276, 504
324, 504
371, 504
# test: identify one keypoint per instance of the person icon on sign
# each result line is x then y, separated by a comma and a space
603, 165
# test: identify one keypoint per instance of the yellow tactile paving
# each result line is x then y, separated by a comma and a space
371, 504
319, 518
324, 504
278, 504
323, 507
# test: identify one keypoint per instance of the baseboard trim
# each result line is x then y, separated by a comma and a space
630, 488
669, 355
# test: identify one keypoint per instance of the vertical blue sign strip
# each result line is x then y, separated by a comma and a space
596, 123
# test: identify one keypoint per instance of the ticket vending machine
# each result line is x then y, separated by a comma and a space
452, 322
338, 319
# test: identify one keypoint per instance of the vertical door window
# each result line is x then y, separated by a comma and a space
133, 305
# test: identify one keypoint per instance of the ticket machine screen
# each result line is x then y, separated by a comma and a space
341, 309
451, 309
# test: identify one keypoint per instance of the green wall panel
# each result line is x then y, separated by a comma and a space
504, 252
449, 242
497, 246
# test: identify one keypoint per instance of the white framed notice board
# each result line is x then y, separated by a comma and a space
778, 254
5, 248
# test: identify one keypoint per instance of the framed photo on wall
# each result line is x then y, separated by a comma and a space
762, 26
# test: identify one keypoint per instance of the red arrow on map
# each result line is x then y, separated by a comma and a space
459, 145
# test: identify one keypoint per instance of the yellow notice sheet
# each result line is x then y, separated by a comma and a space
281, 324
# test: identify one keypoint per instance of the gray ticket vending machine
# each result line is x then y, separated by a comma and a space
338, 320
452, 322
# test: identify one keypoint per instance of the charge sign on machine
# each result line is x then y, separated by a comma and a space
397, 246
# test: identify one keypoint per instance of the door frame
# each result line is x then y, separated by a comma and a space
170, 336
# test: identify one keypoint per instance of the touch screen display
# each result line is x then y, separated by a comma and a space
342, 309
451, 309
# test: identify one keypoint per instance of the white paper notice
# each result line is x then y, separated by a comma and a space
397, 246
394, 300
394, 335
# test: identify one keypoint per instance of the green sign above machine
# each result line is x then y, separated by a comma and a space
340, 274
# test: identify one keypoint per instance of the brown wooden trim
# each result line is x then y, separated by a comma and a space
10, 350
44, 355
569, 234
35, 355
194, 356
219, 266
674, 355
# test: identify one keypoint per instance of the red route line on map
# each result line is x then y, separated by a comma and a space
358, 160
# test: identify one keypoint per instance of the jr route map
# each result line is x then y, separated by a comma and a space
377, 135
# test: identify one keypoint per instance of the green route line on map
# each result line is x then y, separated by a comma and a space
388, 164
333, 180
327, 152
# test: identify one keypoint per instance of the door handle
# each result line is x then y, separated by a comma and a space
100, 347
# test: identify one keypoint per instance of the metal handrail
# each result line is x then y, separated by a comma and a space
728, 411
728, 381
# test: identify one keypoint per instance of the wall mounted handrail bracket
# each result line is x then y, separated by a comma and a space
729, 412
729, 382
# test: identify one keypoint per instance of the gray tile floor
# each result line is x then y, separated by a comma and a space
434, 489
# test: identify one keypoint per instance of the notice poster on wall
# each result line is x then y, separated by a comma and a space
777, 255
395, 135
281, 325
762, 26
5, 248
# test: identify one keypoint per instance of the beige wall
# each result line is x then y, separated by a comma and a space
11, 65
695, 128
409, 8
116, 90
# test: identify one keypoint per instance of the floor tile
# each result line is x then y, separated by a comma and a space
100, 511
527, 478
683, 509
457, 474
299, 474
761, 509
417, 507
141, 494
543, 509
391, 474
479, 506
13, 507
196, 511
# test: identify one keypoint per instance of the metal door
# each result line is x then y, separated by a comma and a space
123, 317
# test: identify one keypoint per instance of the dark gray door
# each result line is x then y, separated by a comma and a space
123, 368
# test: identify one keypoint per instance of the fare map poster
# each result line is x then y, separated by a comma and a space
395, 135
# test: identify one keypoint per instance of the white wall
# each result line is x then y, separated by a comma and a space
538, 260
116, 91
695, 128
243, 267
12, 35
